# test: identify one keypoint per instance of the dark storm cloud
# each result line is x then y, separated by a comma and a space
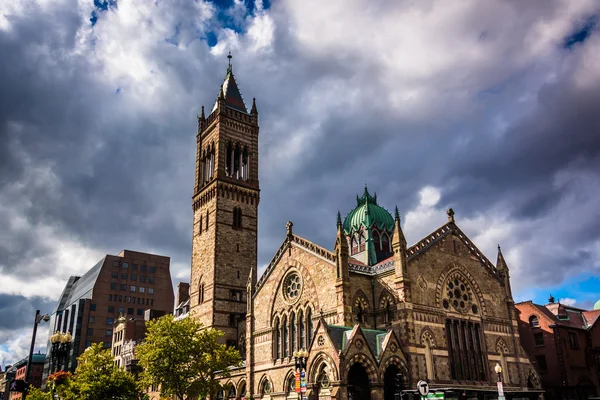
87, 155
19, 311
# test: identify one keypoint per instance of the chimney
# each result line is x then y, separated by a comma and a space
183, 292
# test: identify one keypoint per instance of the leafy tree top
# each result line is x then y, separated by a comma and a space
184, 359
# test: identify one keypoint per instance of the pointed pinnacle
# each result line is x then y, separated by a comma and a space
254, 110
339, 219
397, 214
202, 113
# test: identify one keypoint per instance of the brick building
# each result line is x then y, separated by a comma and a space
369, 309
35, 375
564, 343
125, 284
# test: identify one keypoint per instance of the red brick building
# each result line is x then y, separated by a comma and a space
124, 284
35, 376
564, 344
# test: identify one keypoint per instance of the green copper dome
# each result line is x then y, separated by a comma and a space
368, 214
597, 305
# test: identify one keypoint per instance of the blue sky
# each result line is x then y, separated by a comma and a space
485, 107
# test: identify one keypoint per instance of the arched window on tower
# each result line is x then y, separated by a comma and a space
236, 162
200, 224
385, 242
237, 218
286, 344
201, 293
245, 164
387, 313
228, 159
293, 331
301, 329
354, 244
360, 314
277, 339
206, 219
376, 240
362, 241
309, 327
428, 357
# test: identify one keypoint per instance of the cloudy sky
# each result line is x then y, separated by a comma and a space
489, 107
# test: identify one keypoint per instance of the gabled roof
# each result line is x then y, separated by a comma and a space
79, 288
233, 97
421, 247
564, 315
591, 317
300, 242
341, 335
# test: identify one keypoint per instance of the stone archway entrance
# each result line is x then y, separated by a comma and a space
358, 383
389, 382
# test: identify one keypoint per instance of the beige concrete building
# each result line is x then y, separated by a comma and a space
368, 309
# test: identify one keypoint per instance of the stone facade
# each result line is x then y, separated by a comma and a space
438, 310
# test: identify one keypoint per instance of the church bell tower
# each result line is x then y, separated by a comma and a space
225, 205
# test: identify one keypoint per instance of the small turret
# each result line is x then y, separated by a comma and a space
504, 273
341, 250
400, 260
254, 110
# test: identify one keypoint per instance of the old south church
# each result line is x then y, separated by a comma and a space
371, 307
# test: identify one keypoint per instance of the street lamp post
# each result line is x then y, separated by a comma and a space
300, 357
498, 370
59, 352
38, 319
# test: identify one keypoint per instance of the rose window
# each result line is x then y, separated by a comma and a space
292, 287
459, 296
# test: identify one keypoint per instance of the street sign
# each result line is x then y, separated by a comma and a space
500, 390
423, 388
434, 395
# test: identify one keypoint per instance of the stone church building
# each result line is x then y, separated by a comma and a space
370, 308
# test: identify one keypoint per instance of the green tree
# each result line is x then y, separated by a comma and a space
98, 378
37, 394
184, 359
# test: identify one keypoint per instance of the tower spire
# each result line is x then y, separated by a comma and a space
231, 92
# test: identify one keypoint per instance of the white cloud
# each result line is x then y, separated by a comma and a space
567, 301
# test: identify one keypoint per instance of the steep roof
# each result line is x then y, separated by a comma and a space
78, 288
340, 335
421, 247
567, 316
231, 93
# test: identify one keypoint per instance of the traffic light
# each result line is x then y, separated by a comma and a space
17, 385
399, 383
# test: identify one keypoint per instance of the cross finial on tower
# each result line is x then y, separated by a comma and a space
229, 56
